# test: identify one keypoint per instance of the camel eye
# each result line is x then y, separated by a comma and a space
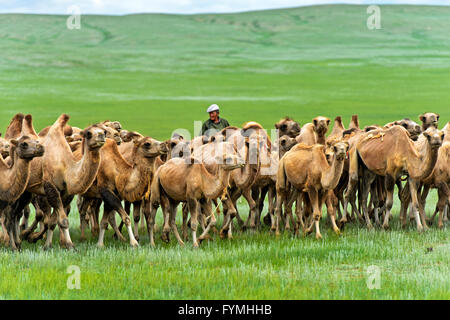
24, 145
147, 145
89, 135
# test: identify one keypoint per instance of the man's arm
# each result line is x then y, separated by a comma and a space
226, 123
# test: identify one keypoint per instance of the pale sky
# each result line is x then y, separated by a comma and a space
176, 6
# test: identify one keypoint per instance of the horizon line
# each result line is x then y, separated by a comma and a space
231, 12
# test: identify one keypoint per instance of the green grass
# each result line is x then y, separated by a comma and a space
156, 73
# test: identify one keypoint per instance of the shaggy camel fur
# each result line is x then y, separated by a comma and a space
14, 180
391, 153
306, 169
288, 127
178, 181
117, 180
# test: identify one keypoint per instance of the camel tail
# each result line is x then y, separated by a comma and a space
282, 181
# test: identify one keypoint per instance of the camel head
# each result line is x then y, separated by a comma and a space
113, 134
340, 150
177, 147
286, 143
94, 136
429, 119
150, 148
321, 125
288, 127
434, 137
115, 125
27, 148
412, 127
4, 148
128, 136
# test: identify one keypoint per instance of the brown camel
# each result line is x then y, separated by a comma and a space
5, 147
391, 153
288, 127
412, 127
14, 180
179, 180
306, 169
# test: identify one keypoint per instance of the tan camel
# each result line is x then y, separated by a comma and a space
58, 175
391, 153
117, 180
412, 127
178, 181
288, 127
14, 180
306, 169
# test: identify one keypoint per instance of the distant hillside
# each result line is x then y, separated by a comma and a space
260, 65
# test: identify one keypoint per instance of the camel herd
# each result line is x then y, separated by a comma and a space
121, 169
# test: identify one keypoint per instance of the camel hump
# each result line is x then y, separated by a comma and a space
63, 119
27, 126
252, 125
15, 127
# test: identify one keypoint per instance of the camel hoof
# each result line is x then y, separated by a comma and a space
134, 244
46, 248
165, 237
338, 232
223, 234
318, 237
369, 227
195, 245
385, 226
137, 238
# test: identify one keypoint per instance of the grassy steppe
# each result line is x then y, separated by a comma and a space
156, 73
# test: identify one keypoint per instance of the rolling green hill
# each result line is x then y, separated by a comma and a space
157, 72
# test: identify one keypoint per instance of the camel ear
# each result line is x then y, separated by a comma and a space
14, 142
212, 139
283, 127
328, 122
437, 116
422, 118
315, 122
426, 134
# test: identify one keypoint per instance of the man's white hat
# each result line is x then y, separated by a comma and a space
212, 108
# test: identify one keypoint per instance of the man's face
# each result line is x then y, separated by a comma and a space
213, 115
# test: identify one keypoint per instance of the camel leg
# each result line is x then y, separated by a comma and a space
415, 204
107, 211
288, 210
184, 227
332, 212
405, 200
250, 223
349, 197
173, 215
389, 185
136, 217
113, 202
443, 195
83, 205
281, 196
314, 198
229, 205
26, 217
367, 180
299, 212
54, 199
207, 211
192, 205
